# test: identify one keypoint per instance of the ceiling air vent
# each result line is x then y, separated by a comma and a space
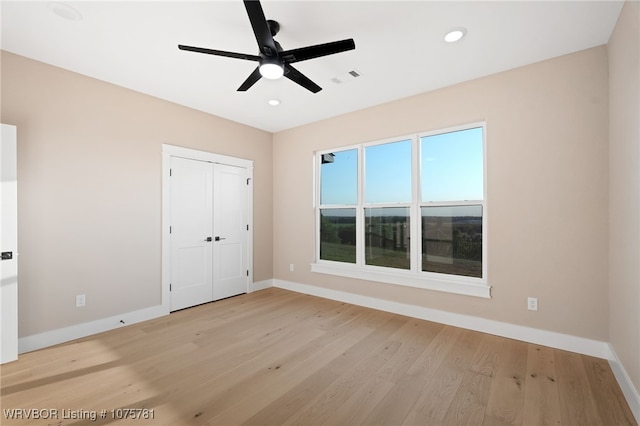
346, 76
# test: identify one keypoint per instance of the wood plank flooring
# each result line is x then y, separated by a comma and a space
276, 357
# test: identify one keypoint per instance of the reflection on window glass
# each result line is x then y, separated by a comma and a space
452, 240
338, 235
452, 166
339, 177
388, 173
387, 237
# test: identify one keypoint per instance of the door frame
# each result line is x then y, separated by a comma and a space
169, 151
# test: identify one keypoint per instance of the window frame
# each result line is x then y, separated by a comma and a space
414, 276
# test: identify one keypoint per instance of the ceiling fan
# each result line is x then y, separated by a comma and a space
273, 61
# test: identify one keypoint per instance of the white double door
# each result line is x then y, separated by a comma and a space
209, 231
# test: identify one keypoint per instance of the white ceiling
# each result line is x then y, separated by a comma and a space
399, 48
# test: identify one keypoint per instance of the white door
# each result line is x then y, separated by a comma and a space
191, 232
230, 227
8, 243
208, 231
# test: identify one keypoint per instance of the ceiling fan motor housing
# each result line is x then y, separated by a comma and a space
274, 27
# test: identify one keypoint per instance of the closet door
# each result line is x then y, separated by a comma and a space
230, 228
209, 231
191, 233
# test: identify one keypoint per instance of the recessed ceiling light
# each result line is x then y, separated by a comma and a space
65, 11
454, 34
274, 102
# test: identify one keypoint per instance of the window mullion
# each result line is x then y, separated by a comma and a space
415, 231
452, 203
317, 235
317, 176
360, 223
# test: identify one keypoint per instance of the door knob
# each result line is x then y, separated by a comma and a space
219, 238
208, 239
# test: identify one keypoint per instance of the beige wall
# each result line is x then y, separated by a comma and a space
89, 173
90, 191
624, 190
547, 130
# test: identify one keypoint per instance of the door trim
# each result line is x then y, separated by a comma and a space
169, 151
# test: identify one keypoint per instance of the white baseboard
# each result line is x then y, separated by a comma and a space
531, 335
61, 335
260, 285
628, 389
66, 334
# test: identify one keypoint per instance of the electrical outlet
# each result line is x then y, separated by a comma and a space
291, 268
81, 300
532, 303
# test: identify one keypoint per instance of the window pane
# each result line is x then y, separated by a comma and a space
339, 177
452, 240
338, 235
388, 173
387, 237
452, 166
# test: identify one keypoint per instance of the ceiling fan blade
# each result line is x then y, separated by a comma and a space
250, 81
260, 28
310, 52
296, 76
219, 53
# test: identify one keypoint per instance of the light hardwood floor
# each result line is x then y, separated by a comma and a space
278, 357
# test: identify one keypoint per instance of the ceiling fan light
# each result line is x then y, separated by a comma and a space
271, 70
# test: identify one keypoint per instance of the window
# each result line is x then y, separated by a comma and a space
387, 237
452, 240
338, 235
388, 173
409, 211
339, 188
452, 188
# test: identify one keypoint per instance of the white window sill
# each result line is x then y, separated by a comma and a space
438, 282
